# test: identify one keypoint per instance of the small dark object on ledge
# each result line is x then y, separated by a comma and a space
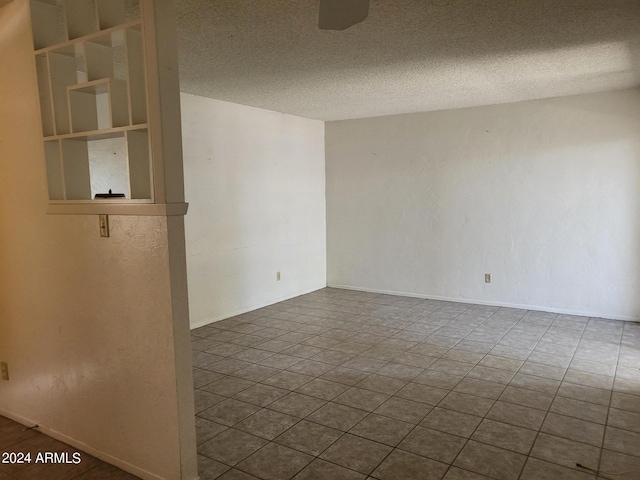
109, 195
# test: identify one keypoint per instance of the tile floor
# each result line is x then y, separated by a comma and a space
17, 438
348, 385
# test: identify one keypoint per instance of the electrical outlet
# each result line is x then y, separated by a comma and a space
487, 278
5, 370
277, 276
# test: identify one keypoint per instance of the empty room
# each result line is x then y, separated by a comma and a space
319, 239
474, 168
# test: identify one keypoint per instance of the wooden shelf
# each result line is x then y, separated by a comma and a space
66, 43
100, 207
97, 133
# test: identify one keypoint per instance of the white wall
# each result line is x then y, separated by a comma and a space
256, 190
544, 195
89, 326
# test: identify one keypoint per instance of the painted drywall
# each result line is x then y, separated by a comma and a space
95, 330
543, 195
255, 185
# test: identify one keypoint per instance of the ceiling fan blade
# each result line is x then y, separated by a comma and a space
342, 14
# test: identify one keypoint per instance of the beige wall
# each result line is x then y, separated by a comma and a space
86, 323
543, 195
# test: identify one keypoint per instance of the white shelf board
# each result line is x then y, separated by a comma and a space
109, 207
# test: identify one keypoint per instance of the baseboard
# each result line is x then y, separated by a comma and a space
489, 303
105, 457
202, 323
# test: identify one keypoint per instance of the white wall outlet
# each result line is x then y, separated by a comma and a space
5, 370
487, 278
277, 276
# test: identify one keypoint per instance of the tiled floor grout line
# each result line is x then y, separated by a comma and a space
606, 422
497, 399
554, 397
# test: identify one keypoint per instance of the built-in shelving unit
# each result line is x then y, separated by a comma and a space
93, 84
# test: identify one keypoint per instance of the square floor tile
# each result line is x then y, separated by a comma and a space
526, 398
405, 410
337, 416
450, 421
202, 377
297, 404
206, 429
400, 371
471, 404
516, 415
564, 452
365, 364
204, 400
381, 384
434, 444
623, 441
256, 373
386, 430
624, 419
422, 393
438, 379
536, 384
347, 376
267, 424
228, 386
231, 446
362, 399
619, 462
356, 453
491, 461
229, 412
480, 388
536, 469
455, 473
311, 368
261, 395
503, 435
584, 393
573, 429
207, 468
401, 465
288, 380
452, 367
324, 389
275, 462
309, 437
570, 407
321, 470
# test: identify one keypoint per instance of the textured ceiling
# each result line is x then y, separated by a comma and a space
408, 56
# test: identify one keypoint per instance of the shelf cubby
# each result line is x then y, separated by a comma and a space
82, 18
44, 92
139, 164
111, 13
49, 26
55, 179
108, 164
106, 56
75, 161
137, 79
63, 72
98, 105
